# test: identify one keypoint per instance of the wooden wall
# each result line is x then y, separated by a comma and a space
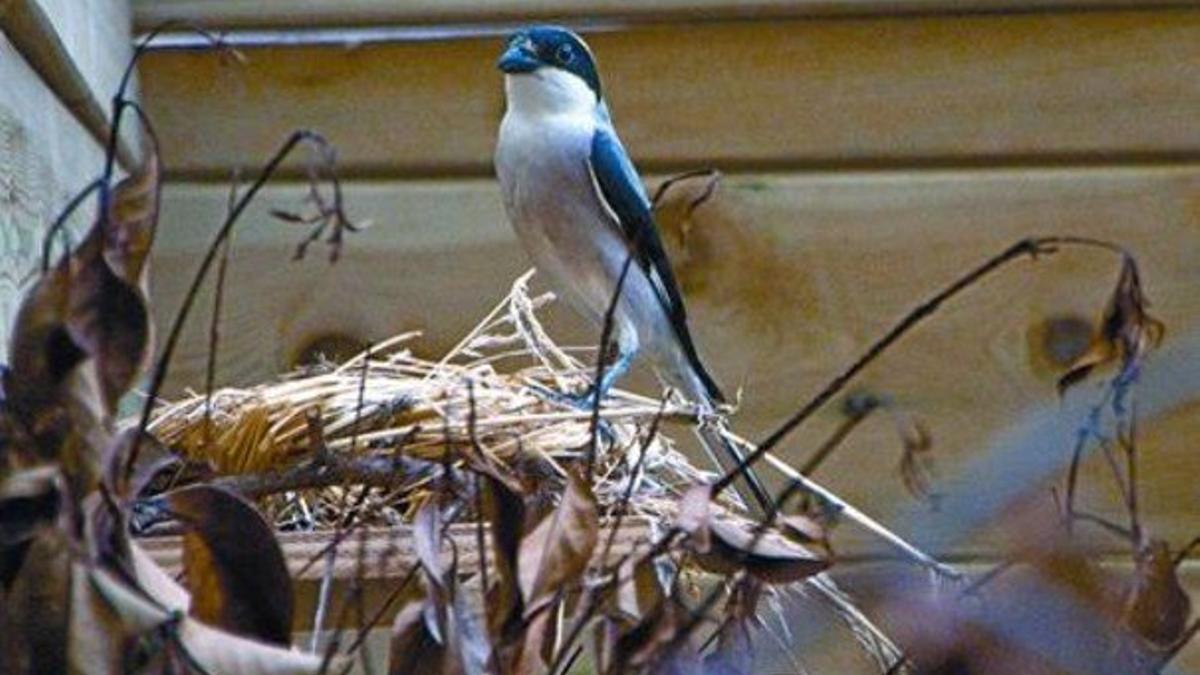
59, 62
872, 150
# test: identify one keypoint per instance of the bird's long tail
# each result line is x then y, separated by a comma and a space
726, 456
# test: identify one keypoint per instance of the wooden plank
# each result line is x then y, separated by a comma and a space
247, 13
787, 276
885, 92
80, 51
46, 156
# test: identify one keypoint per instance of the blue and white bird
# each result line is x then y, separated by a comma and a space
580, 210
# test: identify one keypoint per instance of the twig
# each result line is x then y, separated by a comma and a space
391, 599
214, 332
855, 414
383, 471
480, 544
597, 386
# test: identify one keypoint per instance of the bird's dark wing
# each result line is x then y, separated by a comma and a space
620, 191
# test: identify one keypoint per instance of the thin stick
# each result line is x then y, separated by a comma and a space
214, 331
605, 336
853, 418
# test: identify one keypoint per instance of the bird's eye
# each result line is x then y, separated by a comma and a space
565, 53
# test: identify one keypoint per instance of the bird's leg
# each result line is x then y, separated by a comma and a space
626, 351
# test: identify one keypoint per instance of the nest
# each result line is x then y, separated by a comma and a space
493, 394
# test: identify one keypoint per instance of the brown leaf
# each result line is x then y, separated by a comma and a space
766, 554
1157, 607
504, 510
107, 318
640, 590
654, 642
154, 459
557, 552
133, 219
1127, 331
106, 608
29, 500
536, 638
36, 604
234, 566
414, 649
79, 313
41, 357
427, 542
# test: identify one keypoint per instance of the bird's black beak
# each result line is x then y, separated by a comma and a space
520, 57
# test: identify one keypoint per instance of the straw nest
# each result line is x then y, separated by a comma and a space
492, 392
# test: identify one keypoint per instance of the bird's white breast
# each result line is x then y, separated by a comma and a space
542, 162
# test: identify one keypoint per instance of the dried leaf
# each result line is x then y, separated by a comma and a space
107, 607
1157, 607
37, 606
654, 643
107, 318
133, 219
536, 638
414, 649
154, 580
1127, 332
504, 510
154, 459
427, 540
557, 552
766, 554
234, 566
29, 500
41, 356
78, 313
695, 514
640, 590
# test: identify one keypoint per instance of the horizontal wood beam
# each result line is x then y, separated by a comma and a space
310, 13
888, 92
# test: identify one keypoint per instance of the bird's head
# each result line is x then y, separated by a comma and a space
552, 64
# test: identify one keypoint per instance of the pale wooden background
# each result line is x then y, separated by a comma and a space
873, 150
59, 62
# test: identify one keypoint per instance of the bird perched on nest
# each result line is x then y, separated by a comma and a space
581, 212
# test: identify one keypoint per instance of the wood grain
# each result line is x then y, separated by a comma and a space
79, 50
833, 93
297, 13
787, 277
46, 155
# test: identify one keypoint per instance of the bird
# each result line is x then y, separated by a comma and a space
582, 215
